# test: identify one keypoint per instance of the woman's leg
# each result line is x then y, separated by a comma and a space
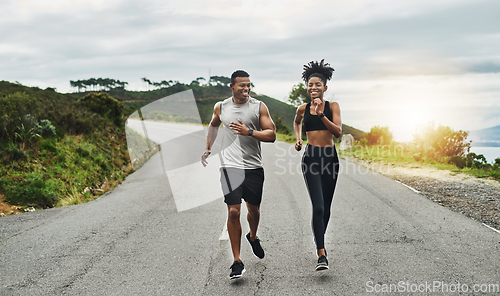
311, 171
328, 182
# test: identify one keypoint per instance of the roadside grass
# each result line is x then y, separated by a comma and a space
403, 155
285, 138
71, 170
72, 197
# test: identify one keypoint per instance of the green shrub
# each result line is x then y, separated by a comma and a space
32, 191
46, 128
280, 127
12, 153
474, 160
458, 161
12, 108
45, 145
103, 104
417, 156
84, 151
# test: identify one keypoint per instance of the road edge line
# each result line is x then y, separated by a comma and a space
494, 229
413, 189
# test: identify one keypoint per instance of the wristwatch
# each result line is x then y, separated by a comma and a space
321, 115
250, 131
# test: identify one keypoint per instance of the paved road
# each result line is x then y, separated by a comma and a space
134, 241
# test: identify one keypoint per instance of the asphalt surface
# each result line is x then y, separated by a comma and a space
140, 240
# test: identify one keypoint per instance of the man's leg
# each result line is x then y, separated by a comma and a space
253, 218
234, 229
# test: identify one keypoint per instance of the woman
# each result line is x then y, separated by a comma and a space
320, 163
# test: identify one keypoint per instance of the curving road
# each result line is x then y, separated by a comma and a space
135, 241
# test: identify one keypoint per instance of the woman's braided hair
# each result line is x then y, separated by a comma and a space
321, 70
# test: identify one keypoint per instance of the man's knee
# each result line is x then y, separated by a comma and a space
253, 210
234, 214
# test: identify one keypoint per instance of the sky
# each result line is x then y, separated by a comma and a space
401, 64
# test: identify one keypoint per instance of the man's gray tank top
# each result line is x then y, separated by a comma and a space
240, 151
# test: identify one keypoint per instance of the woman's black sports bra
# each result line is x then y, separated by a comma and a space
313, 122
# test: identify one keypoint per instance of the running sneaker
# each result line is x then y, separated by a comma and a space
322, 263
256, 247
237, 270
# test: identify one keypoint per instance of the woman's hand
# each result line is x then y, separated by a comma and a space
298, 145
317, 104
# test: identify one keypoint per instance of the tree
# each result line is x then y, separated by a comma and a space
98, 83
122, 83
280, 127
299, 95
199, 79
73, 84
144, 79
165, 83
92, 82
441, 141
379, 135
220, 80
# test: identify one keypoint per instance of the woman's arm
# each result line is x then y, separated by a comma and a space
334, 126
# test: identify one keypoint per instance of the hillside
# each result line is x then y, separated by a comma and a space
58, 149
488, 137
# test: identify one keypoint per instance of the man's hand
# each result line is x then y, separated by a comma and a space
204, 156
239, 128
298, 145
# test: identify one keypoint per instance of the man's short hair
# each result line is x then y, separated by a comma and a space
238, 73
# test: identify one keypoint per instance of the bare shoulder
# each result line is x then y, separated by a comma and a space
334, 106
217, 108
301, 109
263, 109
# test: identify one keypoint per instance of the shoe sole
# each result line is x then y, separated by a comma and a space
238, 275
322, 267
248, 240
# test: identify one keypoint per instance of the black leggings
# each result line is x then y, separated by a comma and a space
320, 166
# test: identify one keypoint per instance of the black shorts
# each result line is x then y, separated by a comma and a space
242, 183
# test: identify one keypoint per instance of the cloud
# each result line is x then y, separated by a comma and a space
485, 67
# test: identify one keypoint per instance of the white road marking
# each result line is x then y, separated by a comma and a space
413, 189
224, 235
496, 230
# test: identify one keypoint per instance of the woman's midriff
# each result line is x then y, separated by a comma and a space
321, 138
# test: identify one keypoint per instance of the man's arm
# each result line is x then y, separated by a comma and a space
297, 126
213, 130
268, 129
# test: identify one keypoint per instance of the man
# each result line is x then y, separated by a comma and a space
246, 123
